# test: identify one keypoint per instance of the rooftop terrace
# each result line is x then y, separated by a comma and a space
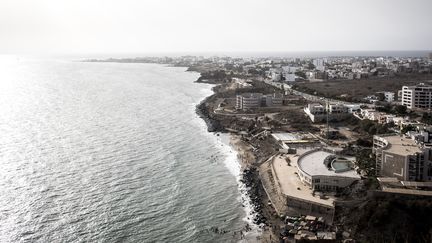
312, 163
401, 145
290, 182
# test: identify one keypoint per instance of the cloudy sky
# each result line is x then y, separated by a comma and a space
121, 26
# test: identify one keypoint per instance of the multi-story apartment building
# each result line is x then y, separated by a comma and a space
389, 96
248, 101
254, 100
417, 97
337, 108
272, 100
319, 64
402, 157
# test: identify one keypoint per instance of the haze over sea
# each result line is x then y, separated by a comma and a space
110, 152
263, 54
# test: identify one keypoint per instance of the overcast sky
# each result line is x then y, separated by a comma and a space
119, 26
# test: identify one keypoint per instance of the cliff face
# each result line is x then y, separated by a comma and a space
203, 111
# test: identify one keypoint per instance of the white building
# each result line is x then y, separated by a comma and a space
276, 74
417, 97
353, 107
403, 157
311, 75
289, 69
319, 64
248, 101
389, 96
388, 118
288, 72
290, 77
324, 171
254, 100
318, 112
370, 114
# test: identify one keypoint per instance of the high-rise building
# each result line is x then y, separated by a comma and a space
319, 64
402, 157
417, 97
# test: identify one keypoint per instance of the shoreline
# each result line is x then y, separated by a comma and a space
201, 110
251, 231
254, 228
248, 181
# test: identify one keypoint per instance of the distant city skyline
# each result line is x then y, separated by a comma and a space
132, 26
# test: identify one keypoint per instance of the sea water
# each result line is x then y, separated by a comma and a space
112, 152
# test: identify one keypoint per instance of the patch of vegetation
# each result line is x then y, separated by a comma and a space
356, 90
366, 162
400, 110
216, 75
373, 128
407, 128
296, 119
427, 118
393, 220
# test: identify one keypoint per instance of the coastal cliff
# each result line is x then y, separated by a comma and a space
202, 109
249, 158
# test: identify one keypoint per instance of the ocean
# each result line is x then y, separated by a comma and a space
111, 152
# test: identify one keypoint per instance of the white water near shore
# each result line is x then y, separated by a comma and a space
232, 163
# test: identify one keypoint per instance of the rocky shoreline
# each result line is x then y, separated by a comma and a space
202, 111
261, 209
251, 180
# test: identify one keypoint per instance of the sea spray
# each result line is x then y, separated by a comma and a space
253, 220
252, 217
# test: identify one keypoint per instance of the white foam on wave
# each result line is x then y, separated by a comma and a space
233, 164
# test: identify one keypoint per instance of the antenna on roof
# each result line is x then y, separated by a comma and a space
328, 126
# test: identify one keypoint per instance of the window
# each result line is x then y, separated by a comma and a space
429, 170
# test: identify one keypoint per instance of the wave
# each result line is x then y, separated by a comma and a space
232, 163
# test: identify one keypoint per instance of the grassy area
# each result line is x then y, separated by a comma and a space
357, 89
296, 119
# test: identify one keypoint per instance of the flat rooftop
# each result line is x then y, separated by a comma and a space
407, 191
313, 164
251, 95
285, 136
290, 138
401, 145
291, 184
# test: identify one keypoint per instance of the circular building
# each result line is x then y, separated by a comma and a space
326, 171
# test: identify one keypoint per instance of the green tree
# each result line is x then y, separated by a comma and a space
300, 74
400, 109
407, 128
380, 96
